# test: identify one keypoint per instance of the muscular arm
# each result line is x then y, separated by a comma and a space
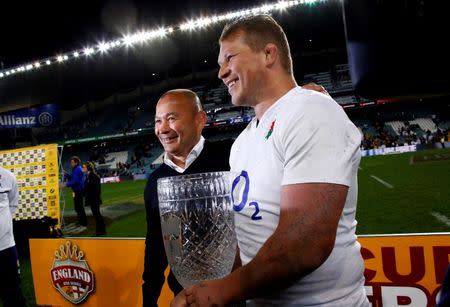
13, 196
237, 260
303, 240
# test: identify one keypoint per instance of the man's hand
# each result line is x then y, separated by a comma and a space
315, 87
205, 294
179, 300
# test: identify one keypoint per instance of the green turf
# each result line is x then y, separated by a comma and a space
27, 281
133, 225
418, 190
114, 193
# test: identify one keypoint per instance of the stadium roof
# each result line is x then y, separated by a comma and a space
33, 31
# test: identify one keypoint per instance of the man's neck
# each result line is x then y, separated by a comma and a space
179, 161
276, 90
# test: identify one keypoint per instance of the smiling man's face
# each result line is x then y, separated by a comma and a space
242, 70
178, 124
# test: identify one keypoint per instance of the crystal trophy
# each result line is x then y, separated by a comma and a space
197, 223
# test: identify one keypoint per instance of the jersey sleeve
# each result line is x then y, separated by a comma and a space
319, 144
13, 195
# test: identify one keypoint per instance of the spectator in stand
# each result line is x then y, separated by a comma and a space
442, 141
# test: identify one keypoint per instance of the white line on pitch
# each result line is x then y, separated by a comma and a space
441, 218
388, 185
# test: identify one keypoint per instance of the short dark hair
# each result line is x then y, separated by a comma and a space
259, 31
75, 159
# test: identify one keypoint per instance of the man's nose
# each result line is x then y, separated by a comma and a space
163, 127
224, 71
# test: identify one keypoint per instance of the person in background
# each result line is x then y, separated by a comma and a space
92, 196
76, 183
10, 290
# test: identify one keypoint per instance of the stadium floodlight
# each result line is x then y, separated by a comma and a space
138, 37
37, 64
146, 36
12, 71
102, 47
256, 11
190, 25
203, 22
115, 43
29, 67
128, 40
282, 5
88, 51
266, 8
161, 32
1, 75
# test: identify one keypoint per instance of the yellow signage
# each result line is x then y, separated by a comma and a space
399, 270
406, 269
36, 169
116, 266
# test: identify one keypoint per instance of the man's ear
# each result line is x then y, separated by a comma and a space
271, 52
201, 119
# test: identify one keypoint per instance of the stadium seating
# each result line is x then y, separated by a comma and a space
112, 159
425, 124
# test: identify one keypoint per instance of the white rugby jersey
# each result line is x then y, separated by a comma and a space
9, 197
304, 137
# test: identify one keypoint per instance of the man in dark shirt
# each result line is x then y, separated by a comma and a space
179, 121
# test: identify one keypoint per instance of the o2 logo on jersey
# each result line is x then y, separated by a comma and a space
244, 200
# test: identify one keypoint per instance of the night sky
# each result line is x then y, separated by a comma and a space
31, 30
36, 30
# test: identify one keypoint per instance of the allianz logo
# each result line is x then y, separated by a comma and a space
44, 119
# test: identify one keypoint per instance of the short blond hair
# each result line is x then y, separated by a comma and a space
259, 31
